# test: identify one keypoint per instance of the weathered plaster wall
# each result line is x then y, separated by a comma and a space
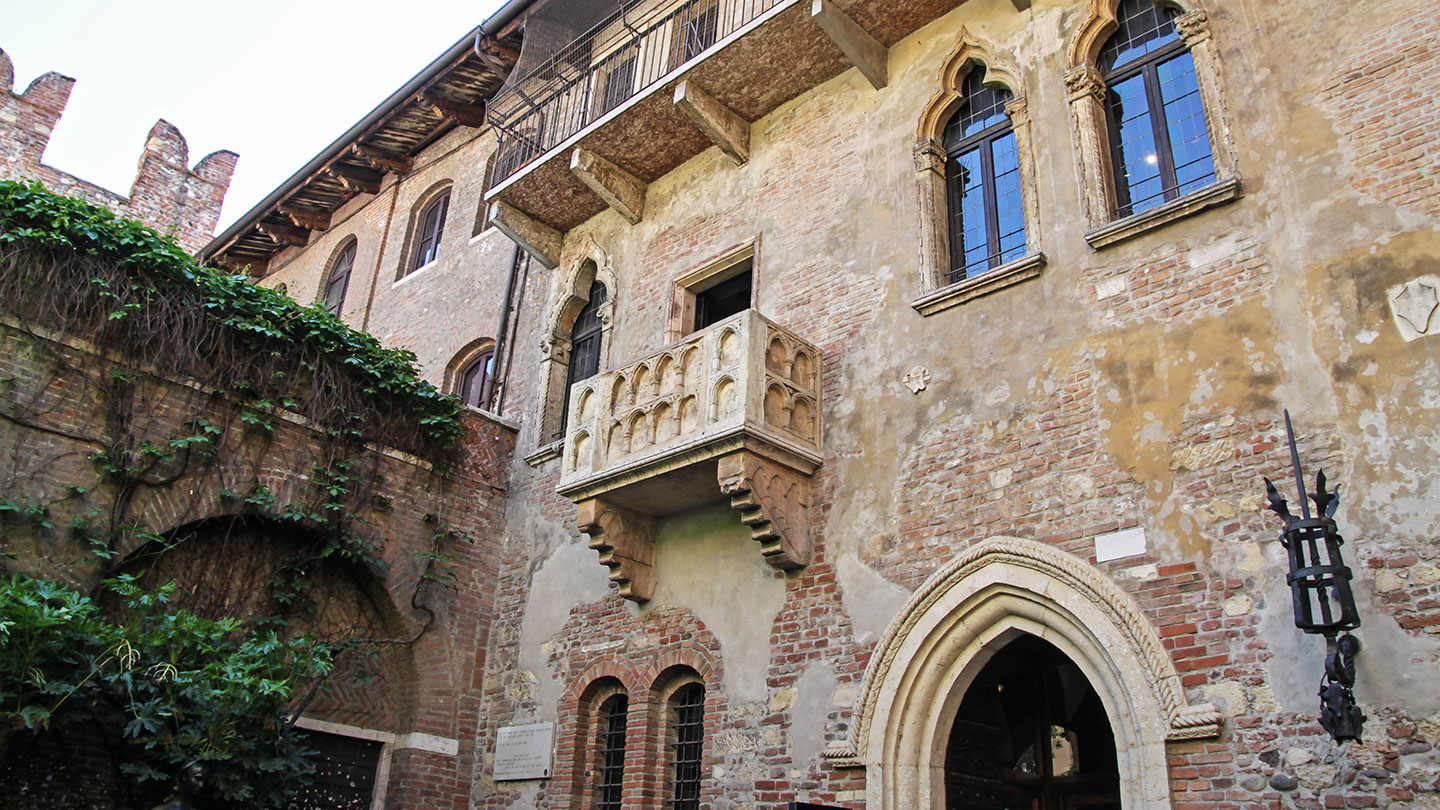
1135, 387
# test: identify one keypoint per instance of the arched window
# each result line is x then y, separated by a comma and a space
1159, 140
585, 344
430, 226
475, 382
982, 181
609, 765
685, 741
339, 279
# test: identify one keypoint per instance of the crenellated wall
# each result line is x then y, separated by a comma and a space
168, 194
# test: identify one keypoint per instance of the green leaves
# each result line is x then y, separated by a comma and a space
172, 686
267, 321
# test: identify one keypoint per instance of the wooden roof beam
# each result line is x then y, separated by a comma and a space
306, 217
383, 160
468, 115
863, 50
291, 235
357, 179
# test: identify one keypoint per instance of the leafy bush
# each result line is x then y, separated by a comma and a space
165, 686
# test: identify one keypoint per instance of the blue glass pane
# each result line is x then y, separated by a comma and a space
1143, 27
1009, 207
971, 230
984, 108
1185, 119
1138, 164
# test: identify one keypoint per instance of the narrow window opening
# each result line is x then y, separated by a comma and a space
687, 735
982, 178
585, 337
427, 238
609, 788
476, 381
339, 280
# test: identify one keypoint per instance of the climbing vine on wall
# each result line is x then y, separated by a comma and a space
187, 370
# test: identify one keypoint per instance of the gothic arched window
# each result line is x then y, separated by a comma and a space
585, 344
1159, 139
982, 182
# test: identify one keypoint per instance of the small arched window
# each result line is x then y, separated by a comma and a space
982, 180
585, 337
475, 382
609, 766
685, 738
1159, 139
338, 281
431, 225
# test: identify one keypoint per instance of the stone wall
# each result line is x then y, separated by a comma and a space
169, 195
1134, 388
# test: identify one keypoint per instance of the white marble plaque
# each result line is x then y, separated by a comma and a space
523, 752
1124, 543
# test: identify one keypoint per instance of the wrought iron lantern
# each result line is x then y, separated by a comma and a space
1320, 593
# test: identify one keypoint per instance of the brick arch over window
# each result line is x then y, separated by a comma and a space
1087, 92
416, 234
684, 711
931, 161
976, 604
568, 296
580, 749
339, 271
459, 367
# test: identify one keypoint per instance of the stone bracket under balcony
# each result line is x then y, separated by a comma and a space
728, 413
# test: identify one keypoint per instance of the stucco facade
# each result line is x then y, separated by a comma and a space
1071, 450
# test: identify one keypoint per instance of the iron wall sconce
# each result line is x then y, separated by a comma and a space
1320, 593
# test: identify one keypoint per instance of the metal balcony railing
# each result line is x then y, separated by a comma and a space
743, 379
621, 56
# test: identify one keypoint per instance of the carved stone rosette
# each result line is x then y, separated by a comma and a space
626, 542
774, 501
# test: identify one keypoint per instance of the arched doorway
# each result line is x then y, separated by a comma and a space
1031, 734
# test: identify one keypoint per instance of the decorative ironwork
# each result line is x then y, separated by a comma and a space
1320, 592
622, 55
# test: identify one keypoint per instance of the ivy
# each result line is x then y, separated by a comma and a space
157, 274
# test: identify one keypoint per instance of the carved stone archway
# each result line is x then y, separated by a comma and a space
971, 608
569, 294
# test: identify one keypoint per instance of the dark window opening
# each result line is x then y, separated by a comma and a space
687, 735
1159, 139
344, 773
1031, 734
982, 179
727, 298
585, 338
476, 381
619, 73
427, 237
610, 787
339, 280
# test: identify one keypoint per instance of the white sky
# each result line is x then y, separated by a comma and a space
275, 81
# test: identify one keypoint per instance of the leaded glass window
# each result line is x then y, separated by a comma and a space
982, 177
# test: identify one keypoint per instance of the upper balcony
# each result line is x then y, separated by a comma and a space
732, 411
658, 81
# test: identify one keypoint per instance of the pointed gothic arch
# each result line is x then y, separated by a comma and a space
970, 54
570, 293
954, 623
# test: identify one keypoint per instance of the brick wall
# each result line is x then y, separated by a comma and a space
168, 194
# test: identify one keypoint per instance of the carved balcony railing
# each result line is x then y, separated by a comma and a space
732, 411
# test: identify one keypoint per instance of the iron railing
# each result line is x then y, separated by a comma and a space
627, 52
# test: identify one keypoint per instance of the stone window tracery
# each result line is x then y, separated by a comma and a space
1153, 139
974, 171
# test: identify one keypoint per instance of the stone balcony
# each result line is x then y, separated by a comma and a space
729, 412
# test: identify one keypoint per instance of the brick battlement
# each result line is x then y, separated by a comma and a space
177, 200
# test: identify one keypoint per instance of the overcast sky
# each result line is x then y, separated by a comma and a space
274, 80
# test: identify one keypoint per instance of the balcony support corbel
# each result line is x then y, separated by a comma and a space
863, 50
626, 542
722, 125
620, 189
774, 501
535, 237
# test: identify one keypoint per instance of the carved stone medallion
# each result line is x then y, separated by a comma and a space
917, 379
1413, 305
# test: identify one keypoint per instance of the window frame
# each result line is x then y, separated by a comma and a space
609, 742
1087, 91
484, 397
429, 232
983, 142
672, 762
938, 292
347, 253
687, 288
